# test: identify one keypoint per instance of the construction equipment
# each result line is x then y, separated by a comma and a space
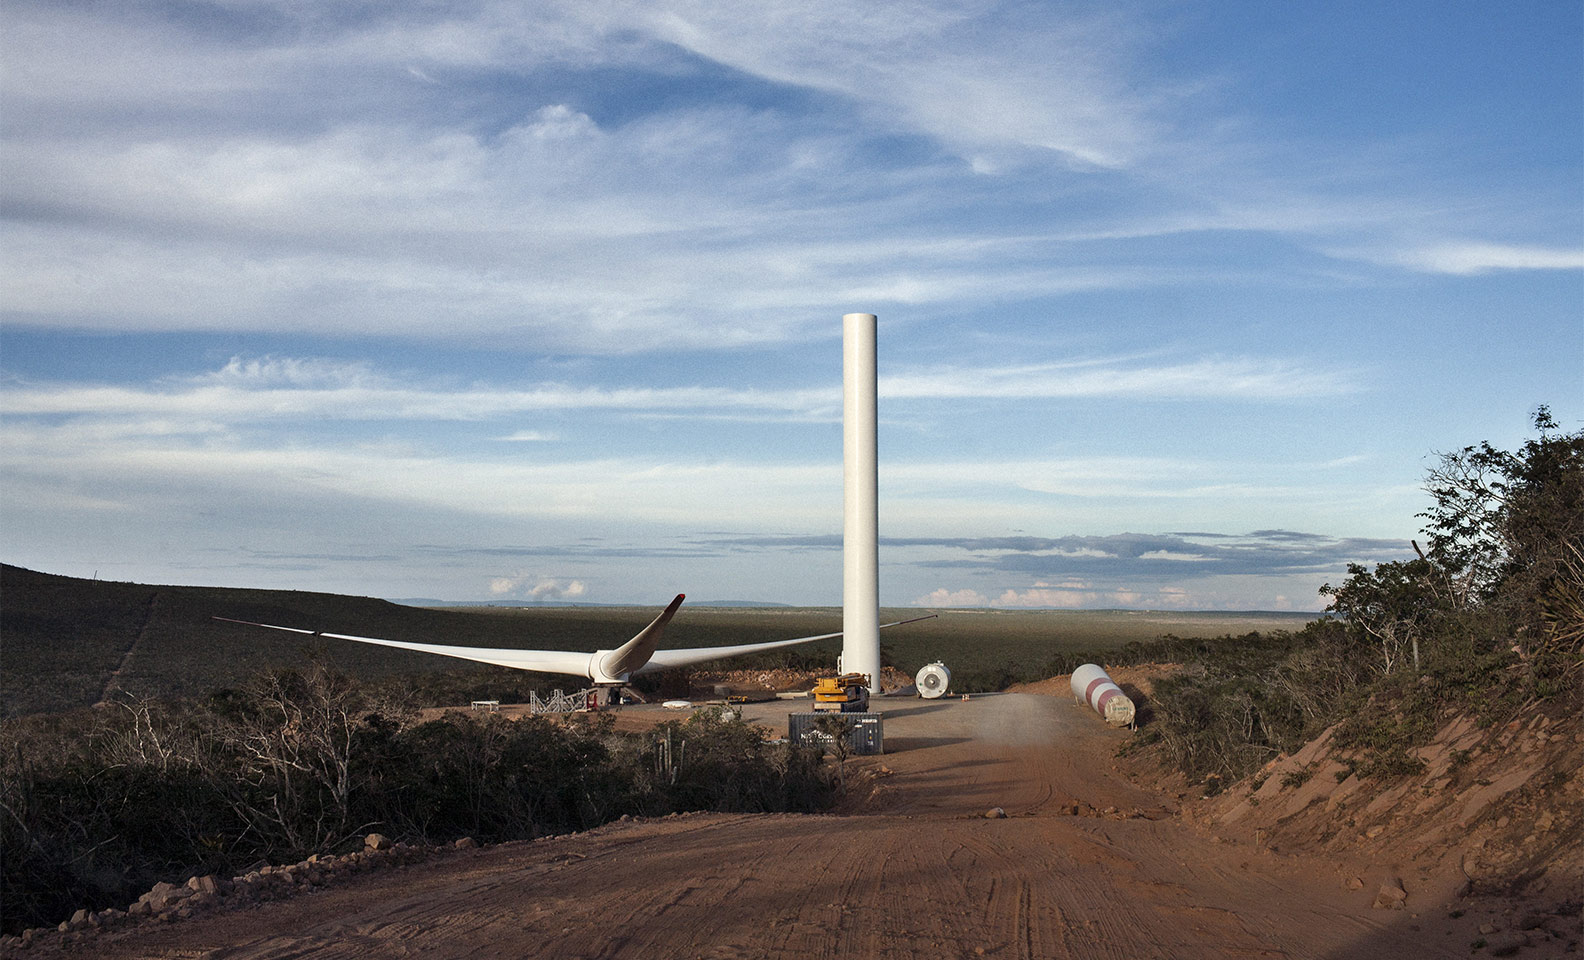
848, 693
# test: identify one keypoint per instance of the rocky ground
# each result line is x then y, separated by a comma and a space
1001, 826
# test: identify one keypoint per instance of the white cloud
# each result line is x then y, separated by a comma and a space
627, 238
942, 597
240, 397
256, 423
1240, 377
1466, 259
1070, 595
971, 74
968, 74
559, 122
288, 388
1176, 598
99, 460
270, 372
1079, 594
537, 588
725, 494
355, 207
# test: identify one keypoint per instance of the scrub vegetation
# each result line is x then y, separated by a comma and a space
1487, 620
100, 804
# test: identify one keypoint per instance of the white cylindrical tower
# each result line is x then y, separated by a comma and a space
861, 501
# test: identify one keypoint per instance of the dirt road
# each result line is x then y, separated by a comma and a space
917, 870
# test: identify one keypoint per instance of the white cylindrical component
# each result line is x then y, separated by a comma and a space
932, 680
1091, 685
861, 501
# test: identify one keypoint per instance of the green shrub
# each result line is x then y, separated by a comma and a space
99, 805
1297, 778
1489, 617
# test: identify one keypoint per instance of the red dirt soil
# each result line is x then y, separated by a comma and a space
1084, 864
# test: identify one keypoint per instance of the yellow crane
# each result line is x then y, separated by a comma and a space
848, 693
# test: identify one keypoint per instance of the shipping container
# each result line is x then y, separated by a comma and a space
865, 732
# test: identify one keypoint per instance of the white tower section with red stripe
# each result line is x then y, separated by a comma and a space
861, 500
1091, 685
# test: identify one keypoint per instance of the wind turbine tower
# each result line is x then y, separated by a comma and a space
861, 501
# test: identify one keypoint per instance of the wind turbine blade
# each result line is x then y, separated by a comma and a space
637, 655
687, 656
632, 655
569, 662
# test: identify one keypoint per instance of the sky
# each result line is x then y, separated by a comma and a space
511, 301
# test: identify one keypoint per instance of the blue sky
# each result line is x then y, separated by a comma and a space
506, 301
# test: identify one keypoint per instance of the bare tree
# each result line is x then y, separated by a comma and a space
296, 739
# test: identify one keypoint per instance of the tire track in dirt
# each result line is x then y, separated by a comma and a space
114, 679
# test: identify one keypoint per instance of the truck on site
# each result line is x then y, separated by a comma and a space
847, 693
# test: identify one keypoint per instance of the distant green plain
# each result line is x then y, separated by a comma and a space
61, 639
